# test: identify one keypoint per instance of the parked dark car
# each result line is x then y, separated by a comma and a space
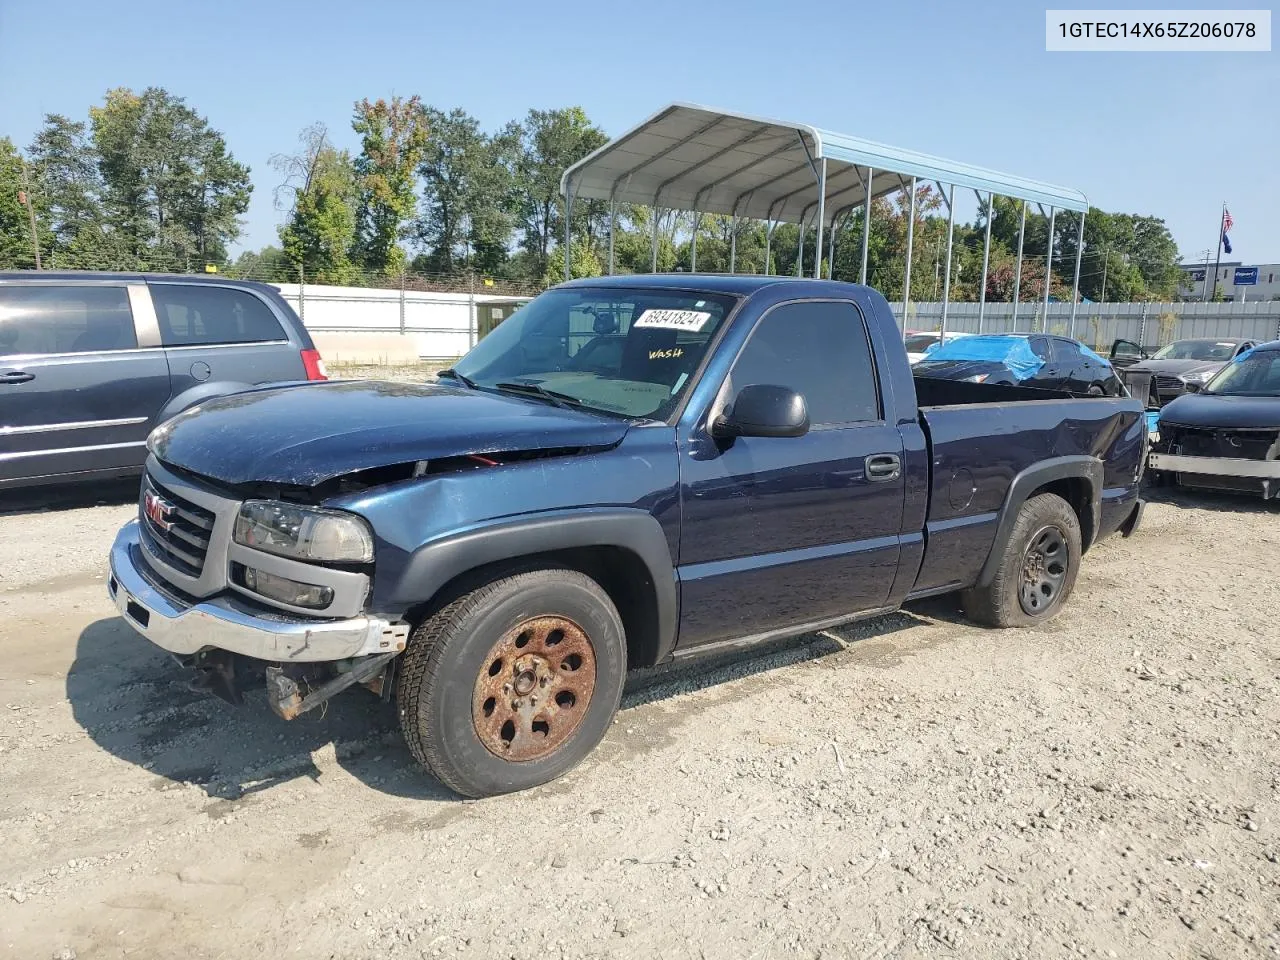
1173, 368
90, 363
738, 459
1226, 434
1023, 359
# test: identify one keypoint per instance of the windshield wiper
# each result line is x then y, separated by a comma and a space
455, 375
538, 390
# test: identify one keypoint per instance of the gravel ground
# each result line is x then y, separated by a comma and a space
910, 787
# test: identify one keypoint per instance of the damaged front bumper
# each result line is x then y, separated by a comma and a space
226, 623
1226, 473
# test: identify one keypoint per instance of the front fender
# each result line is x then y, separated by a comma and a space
435, 564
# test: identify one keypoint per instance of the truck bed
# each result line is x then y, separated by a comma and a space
980, 438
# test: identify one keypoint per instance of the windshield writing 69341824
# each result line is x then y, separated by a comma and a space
617, 351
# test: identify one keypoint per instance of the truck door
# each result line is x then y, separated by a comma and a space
80, 386
779, 532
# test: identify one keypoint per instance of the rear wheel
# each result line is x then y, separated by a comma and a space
1095, 390
513, 684
1037, 571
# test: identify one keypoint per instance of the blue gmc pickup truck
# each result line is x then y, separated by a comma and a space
628, 469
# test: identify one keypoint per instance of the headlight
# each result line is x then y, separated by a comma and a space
304, 533
977, 378
1199, 376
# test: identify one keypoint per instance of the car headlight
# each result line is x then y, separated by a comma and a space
1198, 376
304, 533
977, 378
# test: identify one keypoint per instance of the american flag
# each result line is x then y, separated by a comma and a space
1227, 222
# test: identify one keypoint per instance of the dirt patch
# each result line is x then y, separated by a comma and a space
907, 787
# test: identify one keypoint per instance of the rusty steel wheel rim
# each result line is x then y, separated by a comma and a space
533, 688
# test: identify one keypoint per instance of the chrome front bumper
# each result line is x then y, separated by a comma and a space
226, 622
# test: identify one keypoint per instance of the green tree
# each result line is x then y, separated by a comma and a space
171, 188
64, 176
270, 264
465, 196
550, 141
15, 224
393, 140
320, 192
582, 263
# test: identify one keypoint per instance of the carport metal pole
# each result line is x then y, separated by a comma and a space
733, 247
653, 267
613, 228
768, 245
911, 236
1048, 270
1017, 271
1075, 283
568, 225
986, 259
822, 207
693, 244
946, 281
866, 225
831, 255
800, 249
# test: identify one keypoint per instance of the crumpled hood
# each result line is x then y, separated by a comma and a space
1208, 410
1174, 368
309, 433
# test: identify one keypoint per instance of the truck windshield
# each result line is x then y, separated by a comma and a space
625, 352
1254, 374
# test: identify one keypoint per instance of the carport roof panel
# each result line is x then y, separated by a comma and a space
692, 157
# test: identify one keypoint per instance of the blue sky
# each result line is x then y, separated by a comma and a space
1168, 134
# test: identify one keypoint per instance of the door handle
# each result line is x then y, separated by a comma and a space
883, 466
16, 376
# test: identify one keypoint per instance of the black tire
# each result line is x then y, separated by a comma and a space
1045, 520
451, 660
1095, 390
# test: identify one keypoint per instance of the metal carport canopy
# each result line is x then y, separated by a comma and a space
691, 157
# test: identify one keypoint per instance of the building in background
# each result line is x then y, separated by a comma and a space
1194, 281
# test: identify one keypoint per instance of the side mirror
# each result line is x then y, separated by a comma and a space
764, 410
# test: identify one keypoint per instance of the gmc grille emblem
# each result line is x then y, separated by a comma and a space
158, 510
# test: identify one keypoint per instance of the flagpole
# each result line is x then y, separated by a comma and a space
1222, 219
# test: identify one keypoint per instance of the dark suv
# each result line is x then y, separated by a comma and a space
91, 362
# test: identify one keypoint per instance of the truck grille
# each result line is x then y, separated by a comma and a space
1165, 385
1240, 444
177, 529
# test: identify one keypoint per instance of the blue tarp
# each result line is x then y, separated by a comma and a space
1014, 352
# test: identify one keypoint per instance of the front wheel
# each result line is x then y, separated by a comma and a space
512, 685
1095, 390
1037, 571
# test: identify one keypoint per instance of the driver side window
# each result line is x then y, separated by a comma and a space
820, 350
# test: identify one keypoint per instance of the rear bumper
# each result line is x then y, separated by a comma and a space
226, 623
